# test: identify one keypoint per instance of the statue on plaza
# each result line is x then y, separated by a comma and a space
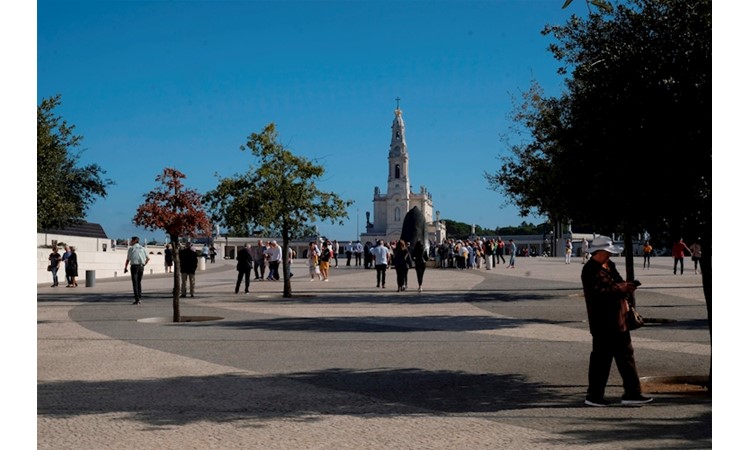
413, 228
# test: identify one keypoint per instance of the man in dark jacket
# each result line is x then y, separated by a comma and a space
188, 265
244, 266
607, 305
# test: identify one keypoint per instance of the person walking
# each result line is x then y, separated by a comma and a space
606, 295
500, 249
401, 261
358, 249
188, 266
349, 249
335, 250
648, 251
420, 257
678, 253
54, 264
71, 268
244, 266
568, 251
168, 258
65, 257
512, 259
259, 260
381, 256
313, 261
325, 260
273, 253
489, 253
137, 259
695, 249
584, 250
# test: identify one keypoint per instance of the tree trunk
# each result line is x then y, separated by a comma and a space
628, 242
285, 264
706, 268
176, 284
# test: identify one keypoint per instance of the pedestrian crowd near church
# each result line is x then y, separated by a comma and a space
263, 260
477, 253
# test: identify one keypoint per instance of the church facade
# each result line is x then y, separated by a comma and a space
390, 208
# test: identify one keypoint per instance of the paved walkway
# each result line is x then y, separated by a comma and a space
481, 359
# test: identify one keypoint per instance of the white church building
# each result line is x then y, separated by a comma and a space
390, 208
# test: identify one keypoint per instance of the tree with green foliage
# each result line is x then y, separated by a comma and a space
178, 211
280, 193
64, 191
638, 92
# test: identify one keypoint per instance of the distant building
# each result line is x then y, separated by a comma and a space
86, 236
390, 208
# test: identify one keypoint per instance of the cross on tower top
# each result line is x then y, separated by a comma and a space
398, 102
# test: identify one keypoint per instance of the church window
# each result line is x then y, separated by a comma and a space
398, 171
397, 214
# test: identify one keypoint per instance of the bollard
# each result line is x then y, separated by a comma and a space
201, 263
90, 278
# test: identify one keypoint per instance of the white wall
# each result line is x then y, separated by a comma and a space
107, 264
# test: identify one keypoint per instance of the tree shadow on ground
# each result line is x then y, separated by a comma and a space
383, 392
97, 297
248, 401
413, 298
675, 432
374, 324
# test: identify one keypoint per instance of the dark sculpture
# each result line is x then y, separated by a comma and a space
413, 228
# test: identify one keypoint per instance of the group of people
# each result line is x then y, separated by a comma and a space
319, 259
69, 261
399, 255
679, 251
472, 254
254, 260
137, 259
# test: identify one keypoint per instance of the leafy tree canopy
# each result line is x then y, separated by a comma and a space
64, 191
278, 194
628, 144
173, 208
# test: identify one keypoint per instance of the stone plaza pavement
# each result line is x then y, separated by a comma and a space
482, 359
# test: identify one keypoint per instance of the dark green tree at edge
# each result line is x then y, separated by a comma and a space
64, 190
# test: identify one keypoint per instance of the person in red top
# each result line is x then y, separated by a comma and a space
678, 253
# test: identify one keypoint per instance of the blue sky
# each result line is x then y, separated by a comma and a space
183, 83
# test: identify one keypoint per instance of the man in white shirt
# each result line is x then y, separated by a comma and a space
381, 254
358, 249
273, 253
137, 258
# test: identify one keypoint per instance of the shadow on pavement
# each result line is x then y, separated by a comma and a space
178, 401
374, 324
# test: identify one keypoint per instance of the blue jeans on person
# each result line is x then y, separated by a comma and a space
54, 276
136, 275
273, 270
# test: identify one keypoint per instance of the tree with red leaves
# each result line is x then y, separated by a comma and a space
178, 211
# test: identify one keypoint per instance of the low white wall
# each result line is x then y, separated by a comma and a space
107, 264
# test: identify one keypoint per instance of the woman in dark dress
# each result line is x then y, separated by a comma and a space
71, 268
420, 257
168, 258
402, 262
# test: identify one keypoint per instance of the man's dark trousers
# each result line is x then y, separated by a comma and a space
240, 275
619, 347
136, 275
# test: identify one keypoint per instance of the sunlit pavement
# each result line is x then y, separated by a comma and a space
480, 359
